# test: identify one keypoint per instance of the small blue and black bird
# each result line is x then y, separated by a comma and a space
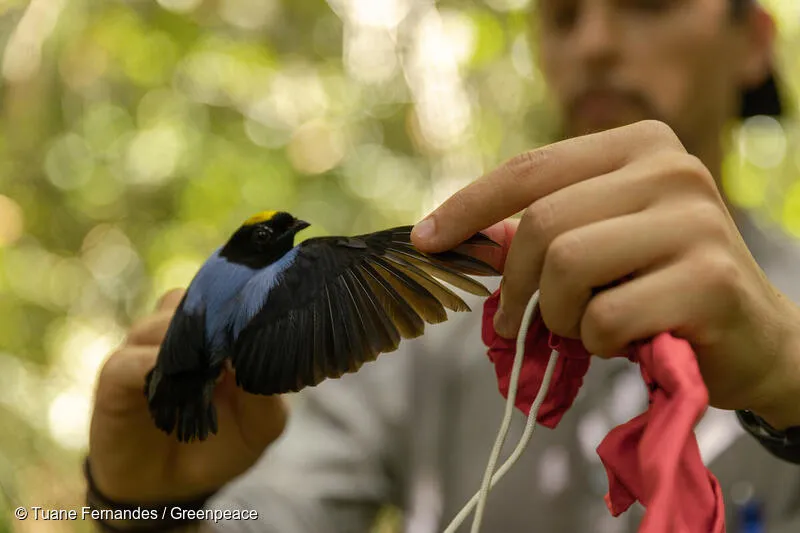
289, 316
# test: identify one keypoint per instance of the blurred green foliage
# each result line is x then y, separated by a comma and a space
135, 136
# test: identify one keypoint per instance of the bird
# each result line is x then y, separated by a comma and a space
286, 316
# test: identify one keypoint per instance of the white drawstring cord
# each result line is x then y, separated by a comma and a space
489, 480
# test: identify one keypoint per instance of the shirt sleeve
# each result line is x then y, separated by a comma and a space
338, 461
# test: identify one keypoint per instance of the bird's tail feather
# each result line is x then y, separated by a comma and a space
182, 403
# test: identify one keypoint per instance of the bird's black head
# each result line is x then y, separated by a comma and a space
263, 239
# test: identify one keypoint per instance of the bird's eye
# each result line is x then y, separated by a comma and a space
262, 235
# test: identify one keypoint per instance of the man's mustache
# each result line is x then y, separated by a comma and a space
630, 96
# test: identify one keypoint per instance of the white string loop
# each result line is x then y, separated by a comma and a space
490, 478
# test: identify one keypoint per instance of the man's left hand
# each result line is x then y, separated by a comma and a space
626, 235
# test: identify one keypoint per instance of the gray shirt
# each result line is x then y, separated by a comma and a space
416, 427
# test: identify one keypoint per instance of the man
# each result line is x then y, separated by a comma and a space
416, 427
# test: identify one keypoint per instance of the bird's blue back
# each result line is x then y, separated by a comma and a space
230, 294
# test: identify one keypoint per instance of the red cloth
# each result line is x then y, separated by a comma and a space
653, 458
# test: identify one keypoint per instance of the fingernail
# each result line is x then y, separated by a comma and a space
425, 229
503, 325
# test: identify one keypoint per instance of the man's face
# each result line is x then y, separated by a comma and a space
614, 62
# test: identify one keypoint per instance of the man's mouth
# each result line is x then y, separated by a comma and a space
603, 109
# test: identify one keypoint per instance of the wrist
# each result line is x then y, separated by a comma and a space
783, 410
783, 444
140, 517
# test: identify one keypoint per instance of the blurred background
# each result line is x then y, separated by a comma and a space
137, 135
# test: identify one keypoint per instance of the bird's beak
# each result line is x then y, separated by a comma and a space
299, 225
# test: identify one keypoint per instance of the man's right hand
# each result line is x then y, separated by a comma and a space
132, 460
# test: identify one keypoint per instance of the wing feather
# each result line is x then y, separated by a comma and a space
356, 343
447, 297
457, 258
318, 359
407, 321
387, 337
419, 298
451, 276
358, 334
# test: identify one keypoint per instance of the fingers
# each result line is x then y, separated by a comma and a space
150, 331
594, 256
674, 298
613, 195
262, 419
533, 175
170, 299
125, 371
126, 368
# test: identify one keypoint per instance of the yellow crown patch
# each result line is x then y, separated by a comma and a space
258, 218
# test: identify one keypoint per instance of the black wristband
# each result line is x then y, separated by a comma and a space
783, 444
131, 517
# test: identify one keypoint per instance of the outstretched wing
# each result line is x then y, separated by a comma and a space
339, 302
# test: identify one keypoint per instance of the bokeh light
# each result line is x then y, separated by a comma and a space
11, 221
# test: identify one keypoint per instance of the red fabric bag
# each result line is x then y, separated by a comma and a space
654, 458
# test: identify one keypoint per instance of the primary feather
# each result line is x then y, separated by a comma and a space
289, 317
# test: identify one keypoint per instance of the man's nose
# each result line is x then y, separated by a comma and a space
595, 33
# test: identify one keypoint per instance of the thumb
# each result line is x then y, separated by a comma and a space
170, 300
261, 418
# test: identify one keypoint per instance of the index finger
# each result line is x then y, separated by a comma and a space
533, 175
170, 299
125, 371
